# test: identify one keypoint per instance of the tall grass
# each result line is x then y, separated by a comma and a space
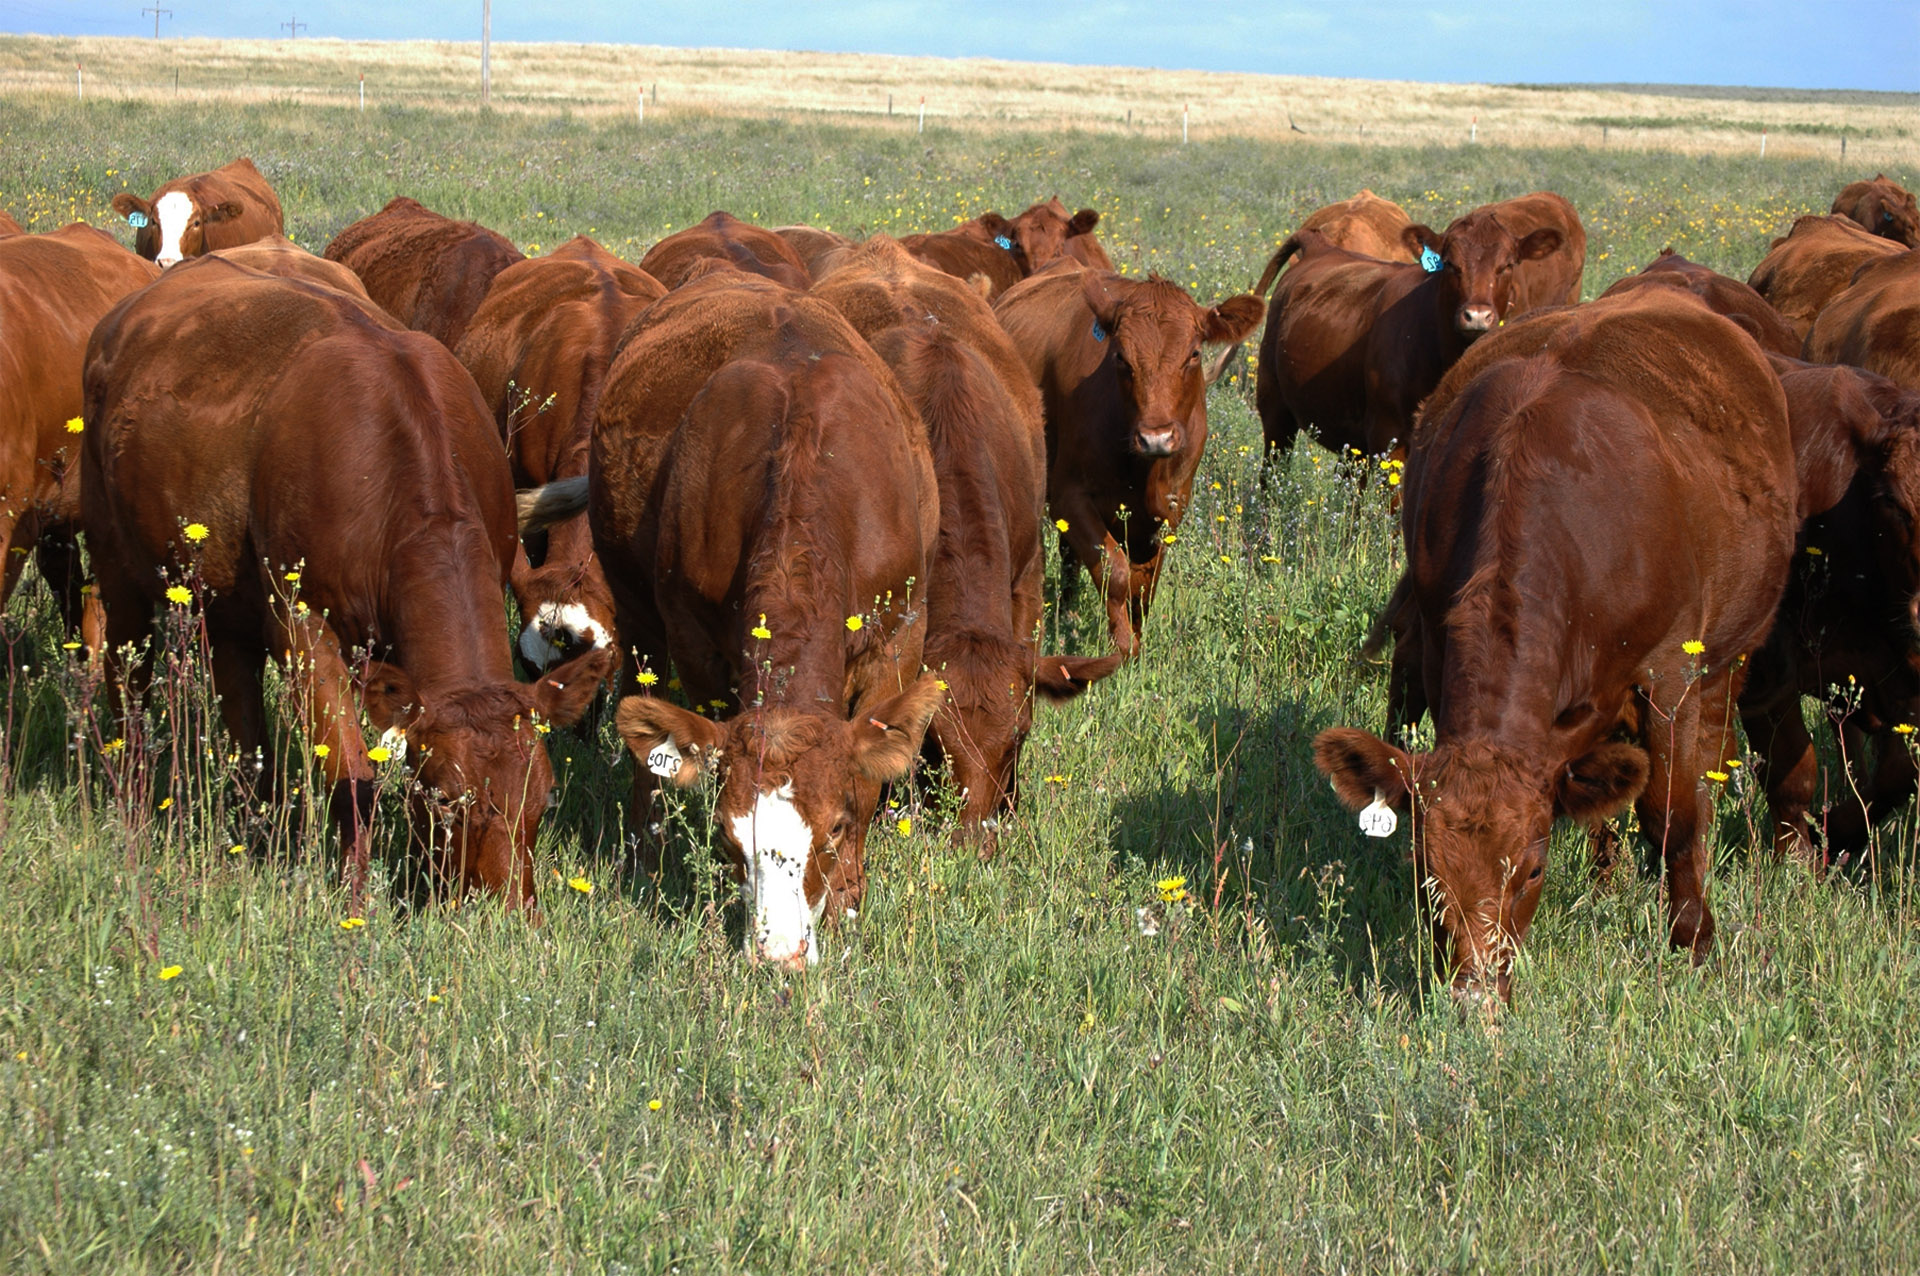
996, 1068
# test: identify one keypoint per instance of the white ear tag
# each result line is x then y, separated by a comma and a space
664, 760
394, 741
1378, 819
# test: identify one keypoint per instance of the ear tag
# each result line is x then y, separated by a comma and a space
1099, 333
1378, 820
663, 759
394, 741
1430, 260
137, 220
1004, 242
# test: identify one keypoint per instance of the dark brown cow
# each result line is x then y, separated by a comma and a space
190, 216
1554, 279
539, 347
724, 237
1883, 207
1809, 266
1847, 628
429, 272
1599, 523
1364, 224
1353, 343
8, 226
1118, 362
281, 256
763, 501
985, 246
819, 250
53, 289
351, 495
1874, 323
1723, 296
960, 370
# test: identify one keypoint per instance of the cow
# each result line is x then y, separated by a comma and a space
539, 347
818, 250
1553, 279
724, 237
1846, 629
764, 504
984, 246
1122, 382
330, 485
1874, 322
1807, 267
188, 216
281, 256
1599, 522
1364, 224
1353, 343
982, 412
1723, 296
428, 271
53, 289
1046, 232
1883, 207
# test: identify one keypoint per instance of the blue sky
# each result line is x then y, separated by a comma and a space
1859, 44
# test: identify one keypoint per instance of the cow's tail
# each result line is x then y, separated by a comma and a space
551, 503
1292, 245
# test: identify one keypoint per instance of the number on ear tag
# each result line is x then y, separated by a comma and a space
1378, 820
137, 220
664, 760
1004, 242
1099, 333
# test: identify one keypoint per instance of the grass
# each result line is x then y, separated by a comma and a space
996, 1069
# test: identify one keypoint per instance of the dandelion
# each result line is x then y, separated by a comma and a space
236, 848
646, 677
760, 630
116, 744
352, 923
1718, 777
195, 531
855, 624
433, 998
1905, 728
75, 425
293, 578
1060, 523
581, 884
653, 1105
165, 803
1056, 779
1816, 551
179, 595
1693, 646
1172, 889
1393, 480
321, 750
1169, 538
905, 826
69, 646
169, 972
379, 753
1732, 764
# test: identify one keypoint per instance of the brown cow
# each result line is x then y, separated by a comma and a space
763, 501
1883, 207
281, 256
190, 216
961, 371
819, 250
1599, 524
341, 490
53, 289
1554, 279
985, 246
1806, 268
1119, 368
1723, 296
428, 271
724, 237
539, 347
1364, 224
1846, 633
1352, 343
1874, 323
1046, 232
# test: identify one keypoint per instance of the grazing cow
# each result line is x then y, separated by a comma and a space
1554, 279
1846, 632
53, 289
960, 370
1806, 268
1599, 523
281, 256
1118, 362
764, 504
1883, 207
1365, 224
724, 237
985, 246
428, 271
1723, 296
1874, 322
1353, 343
8, 226
331, 485
819, 250
539, 347
191, 216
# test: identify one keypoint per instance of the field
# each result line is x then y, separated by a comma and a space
999, 1068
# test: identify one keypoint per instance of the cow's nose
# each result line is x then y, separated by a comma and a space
1477, 318
1163, 440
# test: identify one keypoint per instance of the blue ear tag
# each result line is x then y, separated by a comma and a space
137, 220
1099, 333
1004, 242
1429, 260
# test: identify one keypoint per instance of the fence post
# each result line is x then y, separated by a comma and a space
1763, 144
363, 90
923, 113
640, 106
79, 83
889, 106
1473, 130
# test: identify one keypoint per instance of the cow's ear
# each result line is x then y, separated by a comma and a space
1082, 222
126, 203
1058, 678
224, 212
1363, 768
389, 696
1540, 243
561, 694
1600, 782
995, 224
1419, 236
886, 737
1234, 318
1105, 307
680, 742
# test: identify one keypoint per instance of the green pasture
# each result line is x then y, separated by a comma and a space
998, 1068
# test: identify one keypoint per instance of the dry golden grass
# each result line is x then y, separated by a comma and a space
963, 92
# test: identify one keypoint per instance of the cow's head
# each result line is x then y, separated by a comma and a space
480, 774
1475, 260
1888, 210
1153, 333
173, 226
566, 610
1480, 826
1044, 230
798, 790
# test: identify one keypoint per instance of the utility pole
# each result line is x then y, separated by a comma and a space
156, 11
293, 27
486, 51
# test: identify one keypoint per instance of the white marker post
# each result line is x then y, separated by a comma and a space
923, 112
1473, 130
1763, 144
79, 83
1186, 108
640, 106
363, 91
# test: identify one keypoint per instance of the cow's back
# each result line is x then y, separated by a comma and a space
280, 256
1366, 224
1722, 295
1806, 268
723, 237
1874, 323
426, 270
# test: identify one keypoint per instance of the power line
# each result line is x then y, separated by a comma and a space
156, 11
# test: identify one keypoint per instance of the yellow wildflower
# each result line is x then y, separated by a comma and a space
179, 595
379, 753
1718, 777
352, 923
1060, 523
905, 826
169, 972
760, 630
653, 1105
647, 677
322, 750
854, 624
75, 425
1693, 646
1172, 889
581, 884
1905, 728
195, 531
